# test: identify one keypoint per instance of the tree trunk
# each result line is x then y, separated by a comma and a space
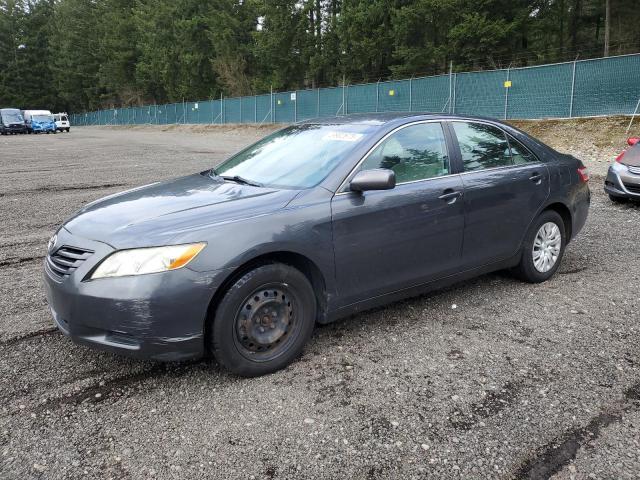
607, 26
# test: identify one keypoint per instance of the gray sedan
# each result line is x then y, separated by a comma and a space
315, 222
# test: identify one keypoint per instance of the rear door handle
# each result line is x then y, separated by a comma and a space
450, 196
535, 178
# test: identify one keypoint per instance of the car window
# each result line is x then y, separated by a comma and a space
482, 146
519, 153
414, 153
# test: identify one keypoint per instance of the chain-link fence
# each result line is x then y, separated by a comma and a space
604, 86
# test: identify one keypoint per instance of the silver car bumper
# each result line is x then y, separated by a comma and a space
623, 181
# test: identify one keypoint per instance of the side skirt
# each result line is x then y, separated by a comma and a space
417, 290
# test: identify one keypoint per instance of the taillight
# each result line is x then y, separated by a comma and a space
632, 141
619, 157
583, 173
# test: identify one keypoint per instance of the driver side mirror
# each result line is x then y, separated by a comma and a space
374, 179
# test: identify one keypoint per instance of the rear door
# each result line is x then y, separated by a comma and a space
505, 185
392, 239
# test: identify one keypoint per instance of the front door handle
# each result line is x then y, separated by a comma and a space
536, 178
450, 196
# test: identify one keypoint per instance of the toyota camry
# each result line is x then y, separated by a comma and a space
315, 222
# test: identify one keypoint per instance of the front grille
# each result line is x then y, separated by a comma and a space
632, 188
65, 260
634, 170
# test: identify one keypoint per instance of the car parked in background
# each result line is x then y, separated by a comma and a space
11, 121
623, 178
315, 222
39, 121
62, 122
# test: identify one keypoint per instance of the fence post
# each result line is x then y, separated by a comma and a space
255, 109
224, 112
241, 109
271, 104
318, 104
506, 94
377, 95
344, 108
450, 85
295, 107
573, 86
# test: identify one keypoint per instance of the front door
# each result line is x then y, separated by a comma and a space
393, 239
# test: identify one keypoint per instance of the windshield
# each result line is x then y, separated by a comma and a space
300, 156
12, 117
42, 118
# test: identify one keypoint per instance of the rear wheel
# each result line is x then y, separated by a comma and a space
264, 320
542, 249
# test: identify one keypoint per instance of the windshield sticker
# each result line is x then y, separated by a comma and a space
343, 136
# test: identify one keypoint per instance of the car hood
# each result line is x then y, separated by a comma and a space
174, 210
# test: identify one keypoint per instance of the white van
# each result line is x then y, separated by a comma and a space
62, 122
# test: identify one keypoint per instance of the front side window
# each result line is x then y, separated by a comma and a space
416, 152
482, 146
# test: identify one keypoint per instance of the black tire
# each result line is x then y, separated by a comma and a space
526, 270
615, 199
263, 321
68, 130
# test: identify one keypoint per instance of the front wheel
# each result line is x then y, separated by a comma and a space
542, 249
264, 320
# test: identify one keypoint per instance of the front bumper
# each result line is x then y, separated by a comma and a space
157, 316
620, 182
43, 128
13, 129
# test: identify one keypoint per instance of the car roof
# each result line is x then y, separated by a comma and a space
380, 119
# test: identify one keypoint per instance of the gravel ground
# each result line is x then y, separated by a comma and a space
491, 378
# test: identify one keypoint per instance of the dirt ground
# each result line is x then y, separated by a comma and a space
491, 378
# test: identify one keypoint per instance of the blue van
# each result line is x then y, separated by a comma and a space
39, 121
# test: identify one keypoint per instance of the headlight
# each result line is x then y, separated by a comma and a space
139, 261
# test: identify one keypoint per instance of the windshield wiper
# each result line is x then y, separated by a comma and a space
240, 180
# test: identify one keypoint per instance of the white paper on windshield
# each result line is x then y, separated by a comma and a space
343, 136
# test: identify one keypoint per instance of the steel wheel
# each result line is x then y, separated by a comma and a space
546, 247
265, 325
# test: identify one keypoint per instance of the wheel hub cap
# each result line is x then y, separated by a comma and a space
264, 320
546, 247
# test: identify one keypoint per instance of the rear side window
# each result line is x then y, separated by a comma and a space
482, 146
416, 152
520, 154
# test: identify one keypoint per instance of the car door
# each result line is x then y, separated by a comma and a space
391, 239
505, 185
